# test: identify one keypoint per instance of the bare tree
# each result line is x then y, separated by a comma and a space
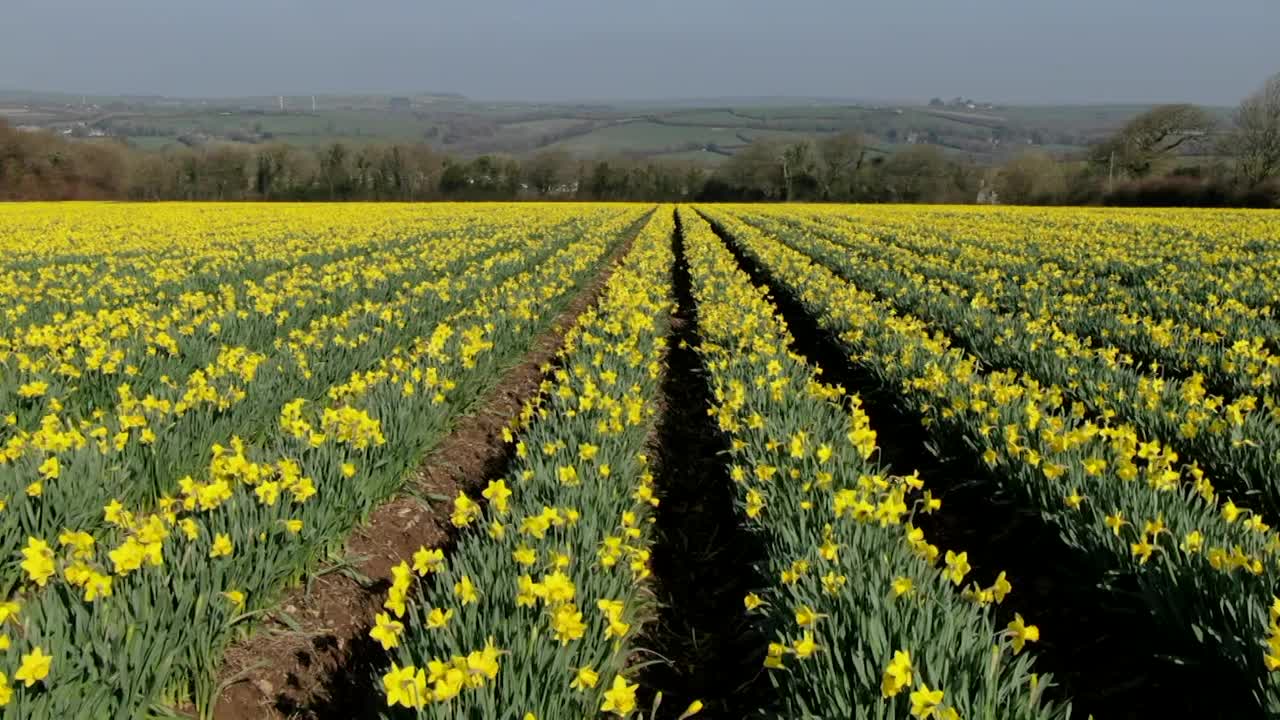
226, 172
1030, 177
1153, 135
757, 168
795, 160
547, 170
365, 178
335, 169
1255, 140
841, 157
152, 176
423, 167
920, 173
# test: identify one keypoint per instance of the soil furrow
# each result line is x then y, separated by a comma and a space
314, 658
704, 558
1107, 656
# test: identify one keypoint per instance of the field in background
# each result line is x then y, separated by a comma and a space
707, 131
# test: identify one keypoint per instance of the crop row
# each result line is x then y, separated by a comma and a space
868, 617
535, 612
153, 430
1207, 330
1230, 441
1204, 569
190, 427
133, 604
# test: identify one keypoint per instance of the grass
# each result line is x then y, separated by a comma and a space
697, 156
341, 123
650, 137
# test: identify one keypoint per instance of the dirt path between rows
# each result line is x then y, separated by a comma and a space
317, 662
705, 559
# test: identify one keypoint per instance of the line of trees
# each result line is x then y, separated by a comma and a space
844, 168
1176, 155
38, 165
1169, 155
839, 167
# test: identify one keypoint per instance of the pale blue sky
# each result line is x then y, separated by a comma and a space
1210, 51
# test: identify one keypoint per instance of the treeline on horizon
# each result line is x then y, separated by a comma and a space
1170, 155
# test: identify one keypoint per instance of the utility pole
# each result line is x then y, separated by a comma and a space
1111, 174
313, 103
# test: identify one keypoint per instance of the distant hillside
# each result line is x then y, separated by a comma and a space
688, 129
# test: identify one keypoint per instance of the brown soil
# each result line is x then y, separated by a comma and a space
308, 668
704, 557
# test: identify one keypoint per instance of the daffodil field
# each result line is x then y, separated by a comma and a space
852, 572
1081, 428
537, 607
199, 405
172, 460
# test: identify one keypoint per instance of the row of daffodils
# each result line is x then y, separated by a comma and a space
1228, 426
868, 617
124, 433
198, 403
1205, 567
238, 428
535, 613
